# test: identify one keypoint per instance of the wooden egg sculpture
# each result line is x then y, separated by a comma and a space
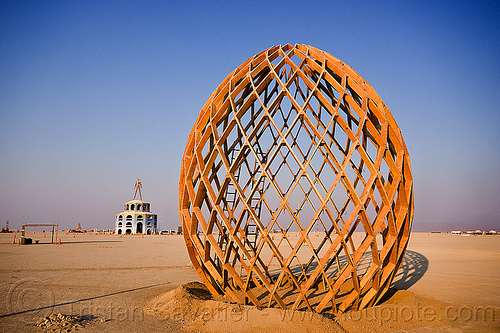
295, 187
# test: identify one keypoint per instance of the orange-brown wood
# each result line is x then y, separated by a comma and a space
295, 186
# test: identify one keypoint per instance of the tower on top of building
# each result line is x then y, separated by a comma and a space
136, 217
138, 189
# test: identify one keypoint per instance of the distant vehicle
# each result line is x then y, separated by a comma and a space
164, 232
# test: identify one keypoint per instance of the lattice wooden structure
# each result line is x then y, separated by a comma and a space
296, 188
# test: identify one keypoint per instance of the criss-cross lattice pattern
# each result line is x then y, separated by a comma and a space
296, 187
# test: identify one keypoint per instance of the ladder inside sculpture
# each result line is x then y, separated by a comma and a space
250, 228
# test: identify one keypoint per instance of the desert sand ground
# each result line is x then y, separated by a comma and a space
133, 284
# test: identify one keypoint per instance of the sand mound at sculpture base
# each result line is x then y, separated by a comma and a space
193, 306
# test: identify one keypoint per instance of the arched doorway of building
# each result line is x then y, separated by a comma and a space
128, 231
149, 232
139, 228
119, 231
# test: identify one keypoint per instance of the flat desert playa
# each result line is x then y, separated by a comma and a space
145, 284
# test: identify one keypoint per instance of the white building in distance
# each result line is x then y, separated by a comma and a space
136, 217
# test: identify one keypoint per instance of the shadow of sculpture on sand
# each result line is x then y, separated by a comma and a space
412, 269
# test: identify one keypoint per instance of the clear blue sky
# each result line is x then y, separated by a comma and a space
96, 94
